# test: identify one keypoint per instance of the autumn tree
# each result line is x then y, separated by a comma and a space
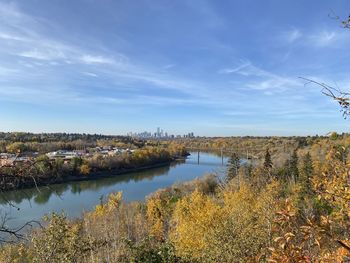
16, 147
333, 187
60, 241
234, 228
84, 169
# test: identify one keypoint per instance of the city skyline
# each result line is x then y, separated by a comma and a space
159, 133
217, 68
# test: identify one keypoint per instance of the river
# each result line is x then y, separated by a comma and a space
73, 198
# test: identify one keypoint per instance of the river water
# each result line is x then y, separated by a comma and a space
75, 197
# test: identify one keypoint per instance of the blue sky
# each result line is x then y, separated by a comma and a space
217, 68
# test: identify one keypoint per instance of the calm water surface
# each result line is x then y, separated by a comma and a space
75, 197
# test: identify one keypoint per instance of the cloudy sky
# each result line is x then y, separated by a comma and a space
211, 67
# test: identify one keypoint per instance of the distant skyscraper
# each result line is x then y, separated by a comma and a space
159, 134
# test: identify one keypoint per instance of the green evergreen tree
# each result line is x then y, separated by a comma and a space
233, 167
75, 163
248, 170
291, 171
294, 171
306, 175
267, 160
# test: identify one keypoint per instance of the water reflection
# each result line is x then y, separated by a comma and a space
42, 195
75, 197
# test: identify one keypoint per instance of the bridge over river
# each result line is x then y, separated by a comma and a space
246, 153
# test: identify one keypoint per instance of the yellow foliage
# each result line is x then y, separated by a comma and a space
235, 226
193, 217
323, 237
160, 207
114, 199
15, 254
155, 217
238, 222
334, 186
85, 169
125, 223
60, 241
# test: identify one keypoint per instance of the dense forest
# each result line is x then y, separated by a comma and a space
46, 142
289, 208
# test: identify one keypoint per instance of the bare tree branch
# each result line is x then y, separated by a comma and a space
343, 98
10, 172
345, 23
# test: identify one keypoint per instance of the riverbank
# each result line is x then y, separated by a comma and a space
114, 172
75, 197
28, 182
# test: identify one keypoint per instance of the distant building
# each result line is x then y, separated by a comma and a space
159, 134
62, 154
13, 160
6, 155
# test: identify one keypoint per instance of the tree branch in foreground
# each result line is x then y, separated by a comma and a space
343, 98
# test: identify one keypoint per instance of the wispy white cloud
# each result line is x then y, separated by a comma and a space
246, 68
328, 38
296, 113
292, 35
4, 71
107, 78
261, 79
324, 38
91, 59
314, 37
24, 38
273, 84
42, 55
40, 95
90, 74
237, 69
7, 36
143, 100
10, 11
169, 66
116, 66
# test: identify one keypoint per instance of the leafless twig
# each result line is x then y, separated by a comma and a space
343, 98
344, 22
29, 169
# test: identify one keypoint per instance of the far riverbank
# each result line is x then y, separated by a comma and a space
75, 197
21, 183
